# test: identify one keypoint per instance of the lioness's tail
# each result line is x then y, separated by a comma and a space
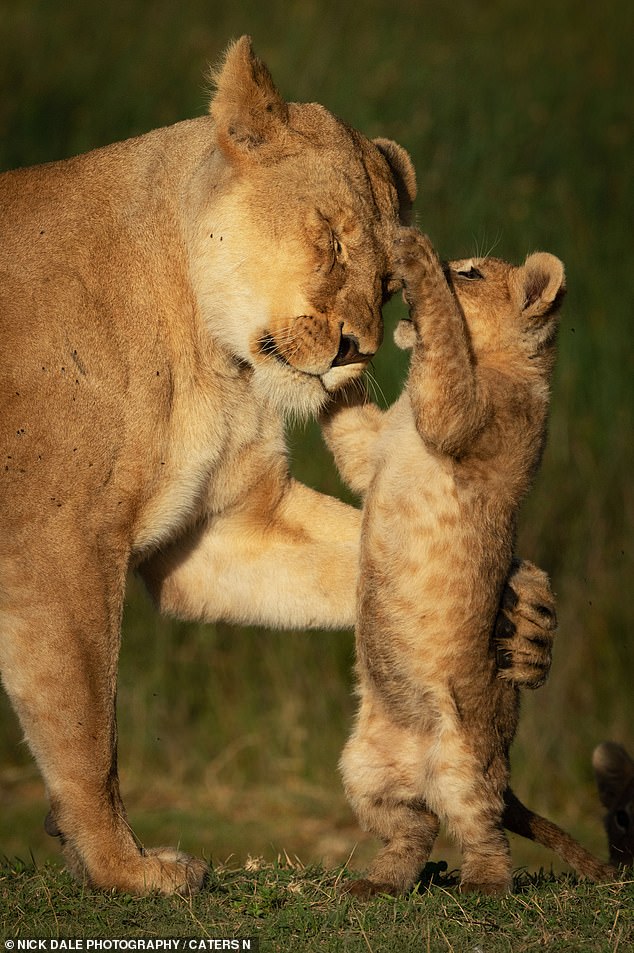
520, 820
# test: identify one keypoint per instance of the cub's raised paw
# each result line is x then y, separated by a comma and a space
413, 254
416, 264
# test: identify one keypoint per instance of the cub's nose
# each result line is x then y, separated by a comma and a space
349, 353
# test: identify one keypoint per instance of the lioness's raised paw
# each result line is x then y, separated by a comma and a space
525, 626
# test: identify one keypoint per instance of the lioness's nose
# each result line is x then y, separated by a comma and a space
349, 353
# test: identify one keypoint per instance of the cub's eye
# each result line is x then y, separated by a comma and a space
471, 273
336, 246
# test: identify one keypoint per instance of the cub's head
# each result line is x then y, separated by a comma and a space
614, 774
294, 236
508, 310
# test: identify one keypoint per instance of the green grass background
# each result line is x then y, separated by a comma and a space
518, 115
292, 909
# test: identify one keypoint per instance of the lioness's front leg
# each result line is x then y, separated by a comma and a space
292, 565
296, 566
58, 658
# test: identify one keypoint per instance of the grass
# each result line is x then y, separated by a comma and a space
294, 908
518, 117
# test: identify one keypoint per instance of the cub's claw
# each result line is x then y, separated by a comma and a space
525, 627
413, 254
416, 263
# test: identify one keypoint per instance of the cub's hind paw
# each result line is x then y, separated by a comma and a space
491, 888
365, 889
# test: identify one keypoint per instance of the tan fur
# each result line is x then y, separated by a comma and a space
165, 303
614, 774
444, 475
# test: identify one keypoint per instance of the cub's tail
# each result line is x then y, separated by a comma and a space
520, 820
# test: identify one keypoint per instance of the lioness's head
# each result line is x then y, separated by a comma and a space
295, 239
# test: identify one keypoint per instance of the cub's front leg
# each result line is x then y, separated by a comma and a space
451, 407
447, 399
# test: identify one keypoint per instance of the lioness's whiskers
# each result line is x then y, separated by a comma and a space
376, 387
359, 385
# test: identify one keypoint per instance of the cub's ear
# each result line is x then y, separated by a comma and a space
404, 175
248, 110
613, 770
538, 287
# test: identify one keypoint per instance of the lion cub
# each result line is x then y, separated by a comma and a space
614, 775
445, 469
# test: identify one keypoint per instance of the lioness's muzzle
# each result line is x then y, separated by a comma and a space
349, 353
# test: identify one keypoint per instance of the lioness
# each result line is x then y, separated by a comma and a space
444, 471
164, 303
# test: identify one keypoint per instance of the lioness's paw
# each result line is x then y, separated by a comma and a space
171, 871
525, 627
162, 869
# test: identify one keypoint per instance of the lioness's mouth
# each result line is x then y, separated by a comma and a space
267, 346
347, 353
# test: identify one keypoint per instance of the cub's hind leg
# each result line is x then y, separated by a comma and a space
58, 657
472, 805
382, 772
486, 866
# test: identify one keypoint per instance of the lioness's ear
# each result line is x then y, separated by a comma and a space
538, 287
248, 110
404, 175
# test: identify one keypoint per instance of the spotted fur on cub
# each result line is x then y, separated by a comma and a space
443, 472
